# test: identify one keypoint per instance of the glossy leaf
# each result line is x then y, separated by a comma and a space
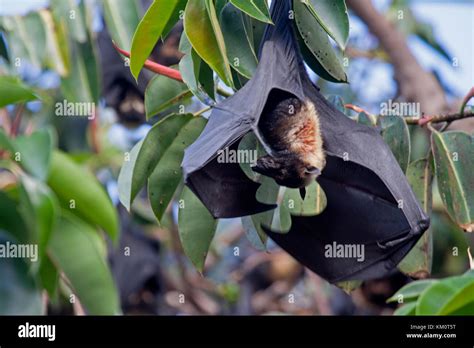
145, 155
82, 84
190, 68
257, 9
122, 18
248, 143
196, 228
58, 47
317, 42
150, 29
395, 133
454, 163
167, 175
267, 193
406, 309
313, 203
70, 11
240, 51
11, 221
417, 263
256, 237
446, 296
19, 293
26, 38
203, 31
162, 93
412, 291
44, 210
80, 192
75, 250
14, 91
33, 153
332, 16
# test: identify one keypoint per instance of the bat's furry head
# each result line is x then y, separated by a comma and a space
292, 132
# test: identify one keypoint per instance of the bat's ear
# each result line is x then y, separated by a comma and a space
312, 171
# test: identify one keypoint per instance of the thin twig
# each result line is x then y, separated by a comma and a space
468, 96
200, 112
421, 121
155, 67
165, 71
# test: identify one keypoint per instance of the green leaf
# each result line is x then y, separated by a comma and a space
5, 142
267, 193
317, 42
206, 79
11, 220
177, 16
122, 18
146, 154
49, 276
292, 203
239, 48
82, 84
26, 37
395, 133
75, 250
204, 33
196, 228
44, 210
454, 163
190, 67
249, 142
252, 225
14, 91
412, 291
167, 175
332, 16
417, 263
75, 22
57, 40
407, 309
256, 237
19, 294
257, 9
150, 29
33, 153
79, 191
446, 296
162, 93
313, 204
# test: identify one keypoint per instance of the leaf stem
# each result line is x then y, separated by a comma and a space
200, 112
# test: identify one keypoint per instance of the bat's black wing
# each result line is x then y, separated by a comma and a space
370, 205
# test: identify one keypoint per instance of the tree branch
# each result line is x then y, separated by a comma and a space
415, 84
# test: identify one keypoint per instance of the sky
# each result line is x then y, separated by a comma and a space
453, 22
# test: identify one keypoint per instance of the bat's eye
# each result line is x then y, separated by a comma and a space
312, 170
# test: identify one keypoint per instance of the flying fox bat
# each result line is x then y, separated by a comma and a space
370, 205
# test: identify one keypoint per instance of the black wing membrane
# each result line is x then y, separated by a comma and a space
371, 210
